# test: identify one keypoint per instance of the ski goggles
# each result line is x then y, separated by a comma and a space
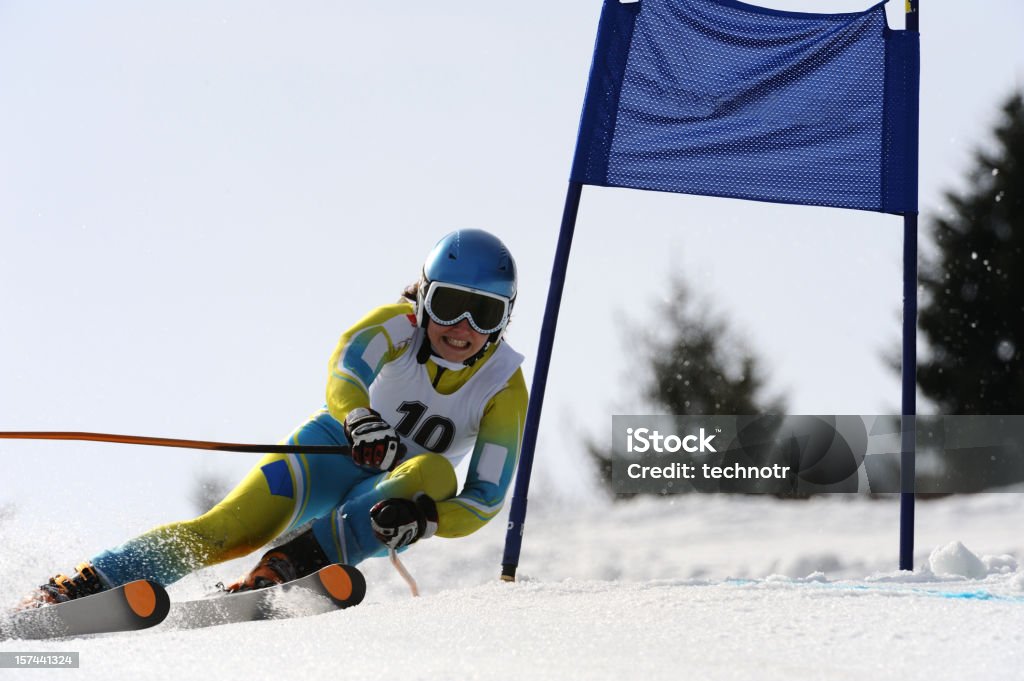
448, 304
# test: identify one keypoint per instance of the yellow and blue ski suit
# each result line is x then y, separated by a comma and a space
442, 413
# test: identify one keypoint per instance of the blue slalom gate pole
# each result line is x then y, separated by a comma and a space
517, 514
909, 410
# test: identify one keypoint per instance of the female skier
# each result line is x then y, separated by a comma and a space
413, 388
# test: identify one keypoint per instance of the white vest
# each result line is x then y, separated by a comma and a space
429, 421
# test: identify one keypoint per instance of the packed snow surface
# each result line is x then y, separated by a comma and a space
695, 587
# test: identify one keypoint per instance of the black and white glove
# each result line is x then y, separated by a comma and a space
400, 522
375, 444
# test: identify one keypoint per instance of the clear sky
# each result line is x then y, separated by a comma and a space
197, 198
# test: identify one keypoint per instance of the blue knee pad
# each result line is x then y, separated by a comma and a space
345, 534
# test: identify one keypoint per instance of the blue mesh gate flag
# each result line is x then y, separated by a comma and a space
722, 98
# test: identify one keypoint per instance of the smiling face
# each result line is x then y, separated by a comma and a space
455, 343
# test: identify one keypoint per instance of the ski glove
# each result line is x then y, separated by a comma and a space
374, 442
400, 522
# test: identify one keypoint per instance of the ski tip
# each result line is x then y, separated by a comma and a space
148, 600
344, 583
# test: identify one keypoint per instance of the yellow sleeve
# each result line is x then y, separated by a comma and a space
378, 338
492, 465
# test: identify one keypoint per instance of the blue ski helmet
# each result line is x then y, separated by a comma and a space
474, 259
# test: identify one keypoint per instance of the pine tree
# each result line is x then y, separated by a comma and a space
699, 365
694, 364
973, 306
208, 490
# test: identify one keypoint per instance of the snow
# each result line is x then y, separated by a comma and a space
956, 559
703, 587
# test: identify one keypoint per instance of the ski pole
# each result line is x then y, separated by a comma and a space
393, 557
174, 442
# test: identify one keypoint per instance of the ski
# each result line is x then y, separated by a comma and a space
129, 607
331, 588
